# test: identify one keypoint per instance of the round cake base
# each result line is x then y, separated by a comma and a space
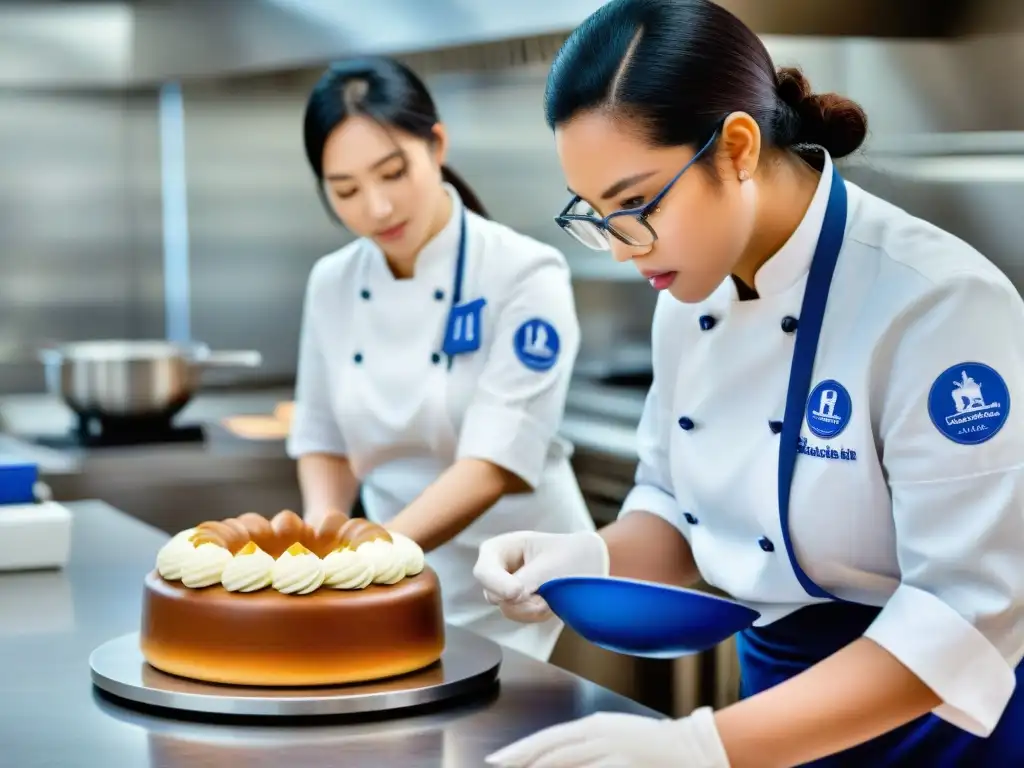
265, 638
469, 666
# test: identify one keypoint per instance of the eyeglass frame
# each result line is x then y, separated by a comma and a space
641, 214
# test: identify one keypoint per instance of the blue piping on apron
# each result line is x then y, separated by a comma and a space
460, 268
772, 654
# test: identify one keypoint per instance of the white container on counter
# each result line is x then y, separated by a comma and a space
34, 536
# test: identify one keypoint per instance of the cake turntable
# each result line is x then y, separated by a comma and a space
469, 665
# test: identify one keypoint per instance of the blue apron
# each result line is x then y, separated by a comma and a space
772, 654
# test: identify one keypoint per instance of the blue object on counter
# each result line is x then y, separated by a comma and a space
641, 618
17, 480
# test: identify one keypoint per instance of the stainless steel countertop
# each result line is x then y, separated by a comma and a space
50, 715
27, 416
598, 419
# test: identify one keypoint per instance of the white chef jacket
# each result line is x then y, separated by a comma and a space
373, 385
908, 492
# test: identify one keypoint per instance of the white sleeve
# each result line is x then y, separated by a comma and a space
956, 474
652, 490
314, 428
518, 404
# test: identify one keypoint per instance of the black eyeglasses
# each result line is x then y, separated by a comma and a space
630, 225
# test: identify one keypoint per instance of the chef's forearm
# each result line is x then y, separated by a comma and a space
327, 483
464, 492
854, 695
642, 545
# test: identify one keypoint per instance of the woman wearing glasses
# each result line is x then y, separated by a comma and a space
436, 348
851, 468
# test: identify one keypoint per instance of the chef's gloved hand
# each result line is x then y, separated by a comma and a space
611, 740
511, 567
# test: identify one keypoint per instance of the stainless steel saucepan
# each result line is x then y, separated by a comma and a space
129, 379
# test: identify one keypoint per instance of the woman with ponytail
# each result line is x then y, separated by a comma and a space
829, 438
436, 349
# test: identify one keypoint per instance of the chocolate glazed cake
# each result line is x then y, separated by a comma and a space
257, 602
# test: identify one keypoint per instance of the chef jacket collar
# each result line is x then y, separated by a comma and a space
793, 260
437, 257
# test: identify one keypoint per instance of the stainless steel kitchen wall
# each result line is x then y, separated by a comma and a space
81, 247
948, 143
136, 43
255, 224
80, 251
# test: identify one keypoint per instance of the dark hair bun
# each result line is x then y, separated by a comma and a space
827, 119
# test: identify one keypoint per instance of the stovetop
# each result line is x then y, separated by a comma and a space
74, 438
45, 421
91, 431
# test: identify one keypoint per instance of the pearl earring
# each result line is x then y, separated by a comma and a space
744, 175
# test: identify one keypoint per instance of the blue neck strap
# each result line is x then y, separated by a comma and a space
460, 263
812, 313
460, 269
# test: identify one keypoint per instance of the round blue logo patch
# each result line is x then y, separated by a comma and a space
828, 409
969, 403
536, 344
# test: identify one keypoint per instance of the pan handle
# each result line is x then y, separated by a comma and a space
242, 358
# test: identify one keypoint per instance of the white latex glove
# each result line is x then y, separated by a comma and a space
608, 740
511, 567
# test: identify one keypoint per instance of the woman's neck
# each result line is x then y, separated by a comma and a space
404, 268
783, 202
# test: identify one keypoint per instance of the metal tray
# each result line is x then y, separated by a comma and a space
468, 665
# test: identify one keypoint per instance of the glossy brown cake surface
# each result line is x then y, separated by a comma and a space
258, 602
266, 638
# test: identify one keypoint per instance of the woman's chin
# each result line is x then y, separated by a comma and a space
401, 256
688, 291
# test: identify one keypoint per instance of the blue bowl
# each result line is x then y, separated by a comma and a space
641, 618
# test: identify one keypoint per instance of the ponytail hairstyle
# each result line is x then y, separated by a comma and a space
676, 68
387, 92
465, 191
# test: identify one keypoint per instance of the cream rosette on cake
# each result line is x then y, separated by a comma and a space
297, 571
388, 567
346, 569
198, 559
204, 567
410, 553
172, 555
373, 562
196, 567
250, 570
